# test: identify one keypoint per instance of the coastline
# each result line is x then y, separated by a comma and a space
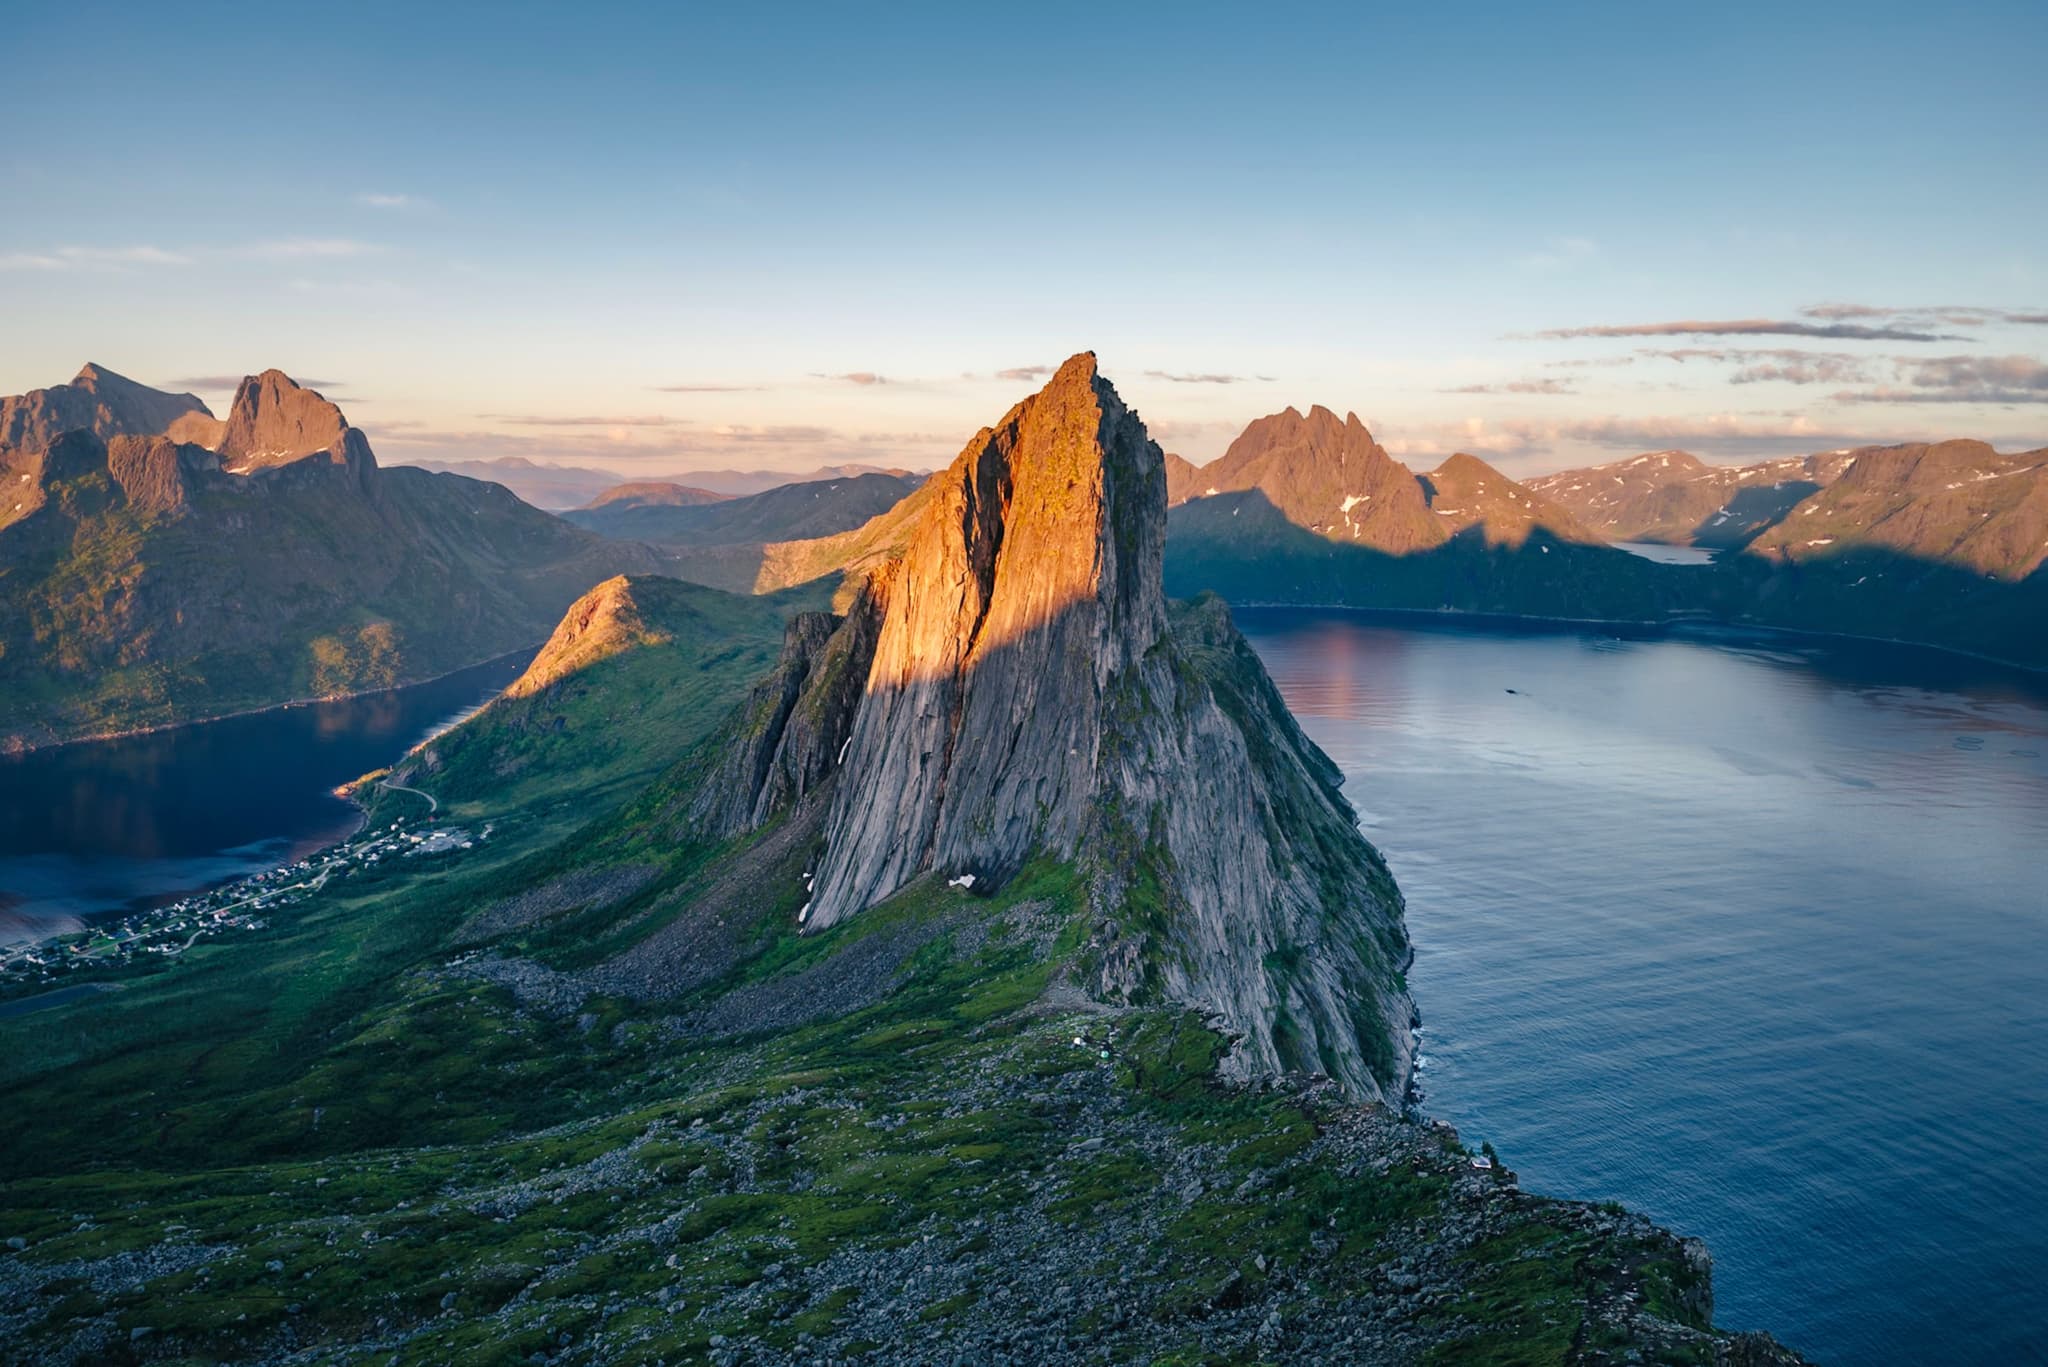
13, 746
1665, 627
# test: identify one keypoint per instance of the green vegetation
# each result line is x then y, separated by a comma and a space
356, 1135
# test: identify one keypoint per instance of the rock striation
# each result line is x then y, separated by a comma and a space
1028, 693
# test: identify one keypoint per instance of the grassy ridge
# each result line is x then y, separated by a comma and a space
352, 1137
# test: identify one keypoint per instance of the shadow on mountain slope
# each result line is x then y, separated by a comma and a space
1750, 512
1242, 547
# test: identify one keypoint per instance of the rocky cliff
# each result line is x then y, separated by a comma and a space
1026, 692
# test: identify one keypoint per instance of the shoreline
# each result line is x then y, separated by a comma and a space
1664, 626
129, 733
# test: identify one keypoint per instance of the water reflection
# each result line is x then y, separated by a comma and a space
121, 824
1745, 931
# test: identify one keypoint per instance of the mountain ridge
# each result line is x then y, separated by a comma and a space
152, 581
1027, 693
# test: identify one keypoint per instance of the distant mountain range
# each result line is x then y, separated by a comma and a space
672, 514
561, 487
1938, 544
1956, 503
1675, 498
161, 565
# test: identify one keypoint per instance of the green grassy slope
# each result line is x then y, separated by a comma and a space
582, 1091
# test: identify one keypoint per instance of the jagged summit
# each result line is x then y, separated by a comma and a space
1327, 474
1033, 576
274, 421
1013, 685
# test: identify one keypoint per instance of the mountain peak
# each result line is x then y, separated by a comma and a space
1328, 475
274, 421
1033, 572
96, 400
1013, 687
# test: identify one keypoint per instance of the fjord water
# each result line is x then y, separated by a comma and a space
114, 826
1752, 938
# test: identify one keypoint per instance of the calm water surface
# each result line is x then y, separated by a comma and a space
122, 825
1751, 938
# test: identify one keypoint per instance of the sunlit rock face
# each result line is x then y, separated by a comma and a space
1027, 692
1032, 581
274, 421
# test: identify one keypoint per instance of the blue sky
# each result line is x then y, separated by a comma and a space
671, 237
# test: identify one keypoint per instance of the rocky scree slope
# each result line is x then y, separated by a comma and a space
149, 581
1013, 686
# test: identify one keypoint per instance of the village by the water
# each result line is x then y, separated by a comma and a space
81, 959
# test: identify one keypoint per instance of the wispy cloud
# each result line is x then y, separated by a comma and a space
666, 448
1943, 315
1727, 435
91, 258
1786, 365
1964, 379
141, 256
1025, 372
1752, 327
376, 199
213, 382
707, 388
1515, 387
1184, 377
582, 420
860, 377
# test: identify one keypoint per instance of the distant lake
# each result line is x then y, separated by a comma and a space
1748, 936
1667, 555
109, 827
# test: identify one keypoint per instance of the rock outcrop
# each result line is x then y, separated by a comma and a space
1027, 694
274, 421
791, 737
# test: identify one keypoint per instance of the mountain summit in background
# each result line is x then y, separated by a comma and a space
153, 580
97, 401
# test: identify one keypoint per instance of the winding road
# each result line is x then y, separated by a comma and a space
432, 805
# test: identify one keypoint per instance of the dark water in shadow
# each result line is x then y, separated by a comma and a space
121, 825
1751, 938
